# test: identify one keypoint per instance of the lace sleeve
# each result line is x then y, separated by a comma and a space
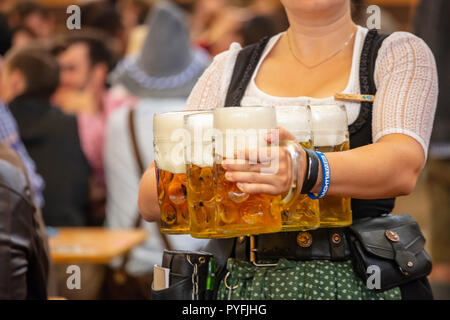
406, 78
210, 90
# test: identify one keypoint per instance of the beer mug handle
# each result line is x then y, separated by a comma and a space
293, 148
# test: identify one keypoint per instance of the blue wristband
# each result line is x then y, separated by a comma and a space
325, 177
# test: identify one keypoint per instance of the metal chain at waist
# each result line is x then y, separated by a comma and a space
195, 282
194, 278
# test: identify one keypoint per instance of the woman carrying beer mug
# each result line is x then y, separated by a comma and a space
389, 89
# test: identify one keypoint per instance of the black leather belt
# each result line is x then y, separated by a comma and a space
320, 244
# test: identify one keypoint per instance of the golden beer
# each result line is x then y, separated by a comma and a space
172, 202
303, 212
168, 141
239, 213
330, 132
201, 202
200, 175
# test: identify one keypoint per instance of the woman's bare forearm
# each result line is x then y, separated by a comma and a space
388, 168
148, 196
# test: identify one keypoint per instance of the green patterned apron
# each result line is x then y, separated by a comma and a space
298, 280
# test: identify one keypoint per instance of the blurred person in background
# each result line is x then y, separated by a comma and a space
33, 16
167, 53
272, 9
50, 136
9, 136
433, 26
22, 22
24, 253
101, 15
132, 15
21, 36
267, 18
4, 5
85, 60
257, 28
223, 29
133, 12
205, 12
218, 23
5, 34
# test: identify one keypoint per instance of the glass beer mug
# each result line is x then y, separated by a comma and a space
302, 213
168, 141
239, 213
330, 133
200, 176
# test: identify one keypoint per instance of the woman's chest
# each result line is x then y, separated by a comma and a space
294, 80
254, 95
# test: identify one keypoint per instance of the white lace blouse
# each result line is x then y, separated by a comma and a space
405, 77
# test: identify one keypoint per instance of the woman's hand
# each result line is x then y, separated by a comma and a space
273, 172
279, 134
148, 195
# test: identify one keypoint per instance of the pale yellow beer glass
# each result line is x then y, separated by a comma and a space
302, 213
168, 141
239, 213
200, 175
330, 134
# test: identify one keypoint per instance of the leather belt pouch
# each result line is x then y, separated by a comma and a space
392, 243
182, 276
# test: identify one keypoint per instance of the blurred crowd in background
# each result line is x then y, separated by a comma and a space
66, 94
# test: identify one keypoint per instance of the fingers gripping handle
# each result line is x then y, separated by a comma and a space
293, 149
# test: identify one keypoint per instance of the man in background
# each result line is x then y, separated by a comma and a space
101, 15
85, 60
50, 136
9, 136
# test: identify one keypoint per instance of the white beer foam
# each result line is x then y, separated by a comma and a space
329, 124
170, 157
297, 120
242, 127
164, 124
168, 138
199, 127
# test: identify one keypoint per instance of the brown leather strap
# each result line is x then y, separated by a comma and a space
140, 163
137, 154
